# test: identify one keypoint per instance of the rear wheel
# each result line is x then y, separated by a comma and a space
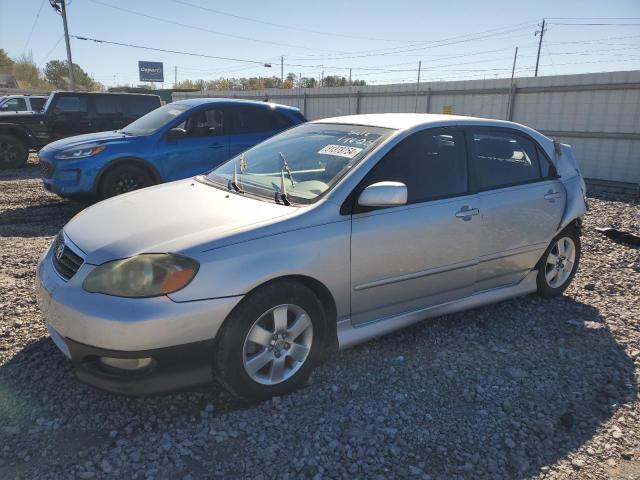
13, 152
271, 341
559, 263
123, 179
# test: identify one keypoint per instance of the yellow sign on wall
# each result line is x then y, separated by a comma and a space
447, 109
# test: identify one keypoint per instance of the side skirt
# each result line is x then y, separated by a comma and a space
348, 335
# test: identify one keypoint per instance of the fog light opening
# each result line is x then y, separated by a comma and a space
129, 364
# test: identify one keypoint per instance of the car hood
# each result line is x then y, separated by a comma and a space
172, 217
78, 140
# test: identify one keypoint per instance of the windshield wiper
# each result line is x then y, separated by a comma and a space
233, 183
283, 190
285, 167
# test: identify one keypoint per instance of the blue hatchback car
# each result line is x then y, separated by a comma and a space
175, 141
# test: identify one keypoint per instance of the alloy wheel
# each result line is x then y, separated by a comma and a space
277, 344
560, 262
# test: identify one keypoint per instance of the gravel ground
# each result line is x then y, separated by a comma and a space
528, 388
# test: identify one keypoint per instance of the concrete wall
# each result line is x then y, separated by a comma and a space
597, 113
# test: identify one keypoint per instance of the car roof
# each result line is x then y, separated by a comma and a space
406, 121
206, 101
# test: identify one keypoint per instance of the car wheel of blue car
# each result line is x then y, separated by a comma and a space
123, 179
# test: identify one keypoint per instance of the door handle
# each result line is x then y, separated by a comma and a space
466, 213
216, 145
551, 196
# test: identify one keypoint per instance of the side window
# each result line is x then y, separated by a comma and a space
15, 105
258, 119
37, 104
432, 164
68, 104
108, 105
205, 123
501, 159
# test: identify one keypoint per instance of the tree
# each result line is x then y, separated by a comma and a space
6, 64
57, 73
27, 73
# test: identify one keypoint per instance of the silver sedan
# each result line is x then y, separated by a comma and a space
324, 236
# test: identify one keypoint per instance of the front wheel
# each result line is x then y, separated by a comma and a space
271, 341
122, 179
558, 265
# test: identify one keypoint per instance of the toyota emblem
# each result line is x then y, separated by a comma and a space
59, 251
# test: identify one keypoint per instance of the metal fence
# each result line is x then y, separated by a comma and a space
597, 113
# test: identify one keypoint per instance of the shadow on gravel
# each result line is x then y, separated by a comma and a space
30, 171
42, 220
498, 392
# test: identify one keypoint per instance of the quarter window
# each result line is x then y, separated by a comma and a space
432, 164
37, 104
502, 159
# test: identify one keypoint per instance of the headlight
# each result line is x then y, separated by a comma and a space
147, 275
80, 152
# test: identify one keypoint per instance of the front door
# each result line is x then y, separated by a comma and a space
204, 146
521, 203
423, 253
69, 115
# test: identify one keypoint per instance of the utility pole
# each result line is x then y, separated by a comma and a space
62, 10
541, 32
322, 78
349, 77
513, 71
282, 71
418, 83
175, 76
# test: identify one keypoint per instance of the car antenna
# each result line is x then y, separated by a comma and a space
283, 190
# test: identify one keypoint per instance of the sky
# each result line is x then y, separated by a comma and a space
381, 41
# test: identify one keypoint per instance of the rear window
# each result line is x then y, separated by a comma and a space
254, 119
37, 104
108, 104
71, 104
138, 105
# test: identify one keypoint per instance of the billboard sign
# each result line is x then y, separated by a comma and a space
151, 71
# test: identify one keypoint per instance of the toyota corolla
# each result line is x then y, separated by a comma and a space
324, 236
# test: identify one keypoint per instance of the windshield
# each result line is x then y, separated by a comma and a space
311, 158
155, 119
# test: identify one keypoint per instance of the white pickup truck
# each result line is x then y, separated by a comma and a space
22, 103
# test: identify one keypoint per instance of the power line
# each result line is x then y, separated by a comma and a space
598, 24
207, 30
131, 45
51, 51
33, 27
288, 27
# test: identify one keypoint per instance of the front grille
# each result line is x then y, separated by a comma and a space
46, 168
65, 261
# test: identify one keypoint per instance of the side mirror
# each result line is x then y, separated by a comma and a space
383, 194
176, 134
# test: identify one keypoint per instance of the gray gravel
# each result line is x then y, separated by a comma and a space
528, 388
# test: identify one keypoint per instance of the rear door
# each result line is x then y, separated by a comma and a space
108, 113
423, 253
252, 124
521, 201
205, 146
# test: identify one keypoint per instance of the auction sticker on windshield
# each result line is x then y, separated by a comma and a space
340, 151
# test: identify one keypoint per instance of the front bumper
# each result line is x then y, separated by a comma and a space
175, 334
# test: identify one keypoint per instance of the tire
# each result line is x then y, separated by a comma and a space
556, 268
122, 179
241, 347
13, 152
